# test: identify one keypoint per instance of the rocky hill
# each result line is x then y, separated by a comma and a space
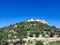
34, 26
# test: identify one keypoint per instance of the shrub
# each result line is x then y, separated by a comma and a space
39, 43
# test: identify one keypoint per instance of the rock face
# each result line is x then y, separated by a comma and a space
38, 20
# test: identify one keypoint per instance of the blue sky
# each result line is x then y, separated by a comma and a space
12, 11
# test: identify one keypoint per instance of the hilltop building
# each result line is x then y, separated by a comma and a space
37, 20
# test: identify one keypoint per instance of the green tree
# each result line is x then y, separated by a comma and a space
39, 43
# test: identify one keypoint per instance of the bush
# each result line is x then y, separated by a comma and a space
39, 43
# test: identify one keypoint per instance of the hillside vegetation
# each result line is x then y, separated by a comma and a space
22, 28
